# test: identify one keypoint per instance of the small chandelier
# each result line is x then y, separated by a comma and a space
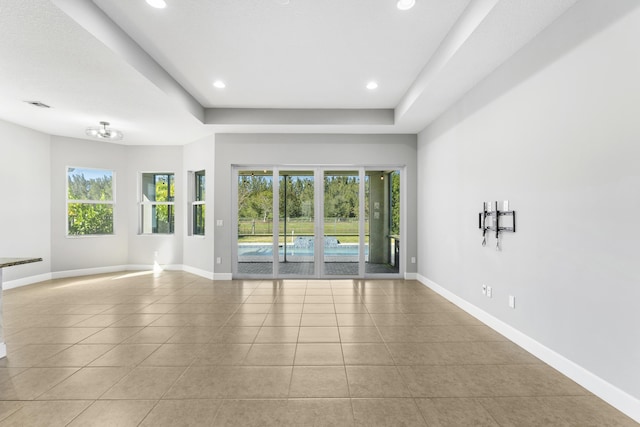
102, 132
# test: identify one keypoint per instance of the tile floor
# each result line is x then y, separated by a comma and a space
174, 349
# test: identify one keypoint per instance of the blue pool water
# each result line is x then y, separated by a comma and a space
266, 250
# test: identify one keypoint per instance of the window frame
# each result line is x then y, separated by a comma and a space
142, 203
195, 200
111, 202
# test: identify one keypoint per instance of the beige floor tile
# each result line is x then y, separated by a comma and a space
152, 335
318, 299
252, 413
454, 412
416, 353
87, 383
121, 413
254, 382
376, 381
278, 334
174, 355
350, 308
366, 354
8, 408
585, 411
319, 381
77, 355
100, 320
354, 319
51, 335
8, 373
30, 355
283, 306
111, 335
526, 412
246, 319
318, 334
46, 414
170, 413
318, 309
136, 320
222, 354
318, 320
236, 334
319, 354
144, 383
270, 354
386, 412
125, 355
201, 382
33, 382
436, 381
359, 334
193, 335
319, 412
282, 319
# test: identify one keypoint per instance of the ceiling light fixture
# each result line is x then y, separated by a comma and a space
406, 4
219, 84
102, 132
372, 85
38, 104
158, 4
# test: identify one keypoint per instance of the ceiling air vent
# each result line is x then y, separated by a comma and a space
38, 104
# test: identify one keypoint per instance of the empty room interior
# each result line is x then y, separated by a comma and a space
319, 213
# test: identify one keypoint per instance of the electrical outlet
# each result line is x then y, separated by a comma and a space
219, 222
413, 260
218, 260
484, 289
512, 301
489, 291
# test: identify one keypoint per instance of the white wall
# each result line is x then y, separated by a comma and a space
163, 249
563, 146
25, 206
87, 252
298, 149
198, 250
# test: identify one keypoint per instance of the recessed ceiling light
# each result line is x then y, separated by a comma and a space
406, 4
158, 4
219, 84
372, 85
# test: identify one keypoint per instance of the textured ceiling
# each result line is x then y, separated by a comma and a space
295, 68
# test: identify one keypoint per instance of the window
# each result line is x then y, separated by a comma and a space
90, 201
157, 206
198, 204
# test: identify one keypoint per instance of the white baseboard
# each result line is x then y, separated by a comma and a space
3, 350
87, 271
222, 276
198, 272
26, 281
410, 276
617, 398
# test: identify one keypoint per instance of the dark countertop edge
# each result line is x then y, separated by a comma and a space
10, 262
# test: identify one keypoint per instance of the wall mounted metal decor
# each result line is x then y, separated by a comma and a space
498, 218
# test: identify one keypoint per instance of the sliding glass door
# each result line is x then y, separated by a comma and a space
317, 222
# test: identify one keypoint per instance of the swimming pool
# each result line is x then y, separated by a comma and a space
261, 252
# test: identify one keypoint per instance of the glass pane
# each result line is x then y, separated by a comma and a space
158, 219
341, 223
158, 187
200, 184
89, 218
382, 225
297, 223
255, 222
198, 219
90, 184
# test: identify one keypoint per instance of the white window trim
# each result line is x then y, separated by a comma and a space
193, 202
